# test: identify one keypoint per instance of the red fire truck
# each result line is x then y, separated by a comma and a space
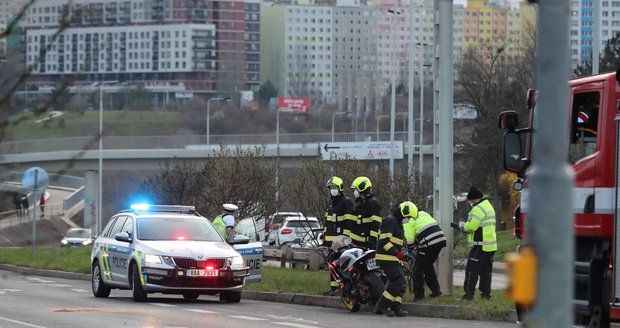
594, 145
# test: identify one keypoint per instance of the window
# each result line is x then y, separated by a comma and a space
584, 125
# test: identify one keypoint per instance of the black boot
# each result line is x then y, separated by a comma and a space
396, 307
383, 307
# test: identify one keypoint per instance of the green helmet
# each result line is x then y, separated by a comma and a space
335, 181
361, 184
408, 209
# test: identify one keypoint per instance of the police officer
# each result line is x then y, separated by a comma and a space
423, 232
389, 255
480, 229
225, 222
366, 222
336, 216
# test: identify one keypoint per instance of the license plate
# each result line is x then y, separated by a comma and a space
201, 273
371, 264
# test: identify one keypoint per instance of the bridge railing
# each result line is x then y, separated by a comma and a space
181, 141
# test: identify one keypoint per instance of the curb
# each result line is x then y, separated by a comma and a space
421, 310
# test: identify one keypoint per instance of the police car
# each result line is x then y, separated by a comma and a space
170, 249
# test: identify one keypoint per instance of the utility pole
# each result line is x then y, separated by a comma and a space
596, 35
410, 98
443, 170
550, 180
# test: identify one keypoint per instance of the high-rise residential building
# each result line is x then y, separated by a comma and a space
8, 10
296, 54
182, 46
583, 25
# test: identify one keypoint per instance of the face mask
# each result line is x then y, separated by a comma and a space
334, 192
356, 193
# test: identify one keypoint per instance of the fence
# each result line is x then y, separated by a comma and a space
311, 258
14, 217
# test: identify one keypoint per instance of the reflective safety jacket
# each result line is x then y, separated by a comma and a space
391, 239
424, 231
337, 216
220, 225
480, 226
365, 224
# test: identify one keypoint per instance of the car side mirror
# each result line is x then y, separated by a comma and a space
239, 239
123, 236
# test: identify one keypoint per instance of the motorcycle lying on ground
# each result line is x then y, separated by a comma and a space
359, 278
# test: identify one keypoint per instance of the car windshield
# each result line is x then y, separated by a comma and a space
78, 234
303, 224
176, 229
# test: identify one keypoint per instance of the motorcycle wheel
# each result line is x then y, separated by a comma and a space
349, 303
375, 287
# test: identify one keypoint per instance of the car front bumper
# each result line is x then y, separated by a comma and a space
175, 280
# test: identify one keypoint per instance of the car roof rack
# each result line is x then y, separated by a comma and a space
147, 208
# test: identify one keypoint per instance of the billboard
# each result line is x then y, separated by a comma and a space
294, 105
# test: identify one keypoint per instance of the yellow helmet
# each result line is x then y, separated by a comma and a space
408, 209
361, 184
335, 181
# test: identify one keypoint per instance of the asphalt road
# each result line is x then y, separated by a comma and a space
44, 302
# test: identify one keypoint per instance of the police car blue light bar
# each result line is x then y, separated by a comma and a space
163, 208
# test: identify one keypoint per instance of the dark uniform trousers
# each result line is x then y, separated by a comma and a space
479, 263
425, 270
395, 288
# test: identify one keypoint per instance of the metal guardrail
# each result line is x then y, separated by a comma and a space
181, 141
310, 258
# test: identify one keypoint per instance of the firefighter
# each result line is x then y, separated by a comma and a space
480, 229
366, 223
225, 222
423, 232
336, 215
389, 256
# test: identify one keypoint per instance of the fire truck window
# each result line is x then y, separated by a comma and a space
584, 125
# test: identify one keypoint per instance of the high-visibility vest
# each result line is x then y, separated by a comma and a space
424, 231
219, 224
480, 226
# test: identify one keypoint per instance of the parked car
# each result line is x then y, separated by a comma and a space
293, 228
169, 249
275, 221
77, 237
311, 239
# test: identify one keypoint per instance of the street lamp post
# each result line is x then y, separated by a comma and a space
333, 116
394, 12
421, 135
410, 98
209, 112
99, 221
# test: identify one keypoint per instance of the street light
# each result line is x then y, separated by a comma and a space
421, 135
333, 116
209, 111
99, 221
393, 100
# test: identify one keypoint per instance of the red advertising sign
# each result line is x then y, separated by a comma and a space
294, 105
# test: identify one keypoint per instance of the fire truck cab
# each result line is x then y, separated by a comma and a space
594, 143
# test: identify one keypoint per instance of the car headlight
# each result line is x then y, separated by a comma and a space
63, 241
152, 259
237, 260
87, 242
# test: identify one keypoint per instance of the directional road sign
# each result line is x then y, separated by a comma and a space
360, 150
42, 180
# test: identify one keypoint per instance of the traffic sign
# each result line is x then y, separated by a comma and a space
361, 150
42, 180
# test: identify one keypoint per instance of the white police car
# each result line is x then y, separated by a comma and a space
168, 249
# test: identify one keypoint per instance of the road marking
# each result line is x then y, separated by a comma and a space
21, 323
39, 279
246, 317
291, 318
79, 290
58, 285
13, 290
162, 304
201, 311
292, 324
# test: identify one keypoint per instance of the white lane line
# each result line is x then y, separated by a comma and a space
39, 280
201, 311
58, 285
21, 323
80, 290
292, 324
162, 304
13, 290
246, 317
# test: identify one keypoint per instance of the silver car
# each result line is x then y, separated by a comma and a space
167, 249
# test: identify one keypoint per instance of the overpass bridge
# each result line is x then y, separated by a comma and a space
151, 152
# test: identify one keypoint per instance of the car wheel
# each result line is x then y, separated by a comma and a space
99, 287
190, 295
139, 295
230, 297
